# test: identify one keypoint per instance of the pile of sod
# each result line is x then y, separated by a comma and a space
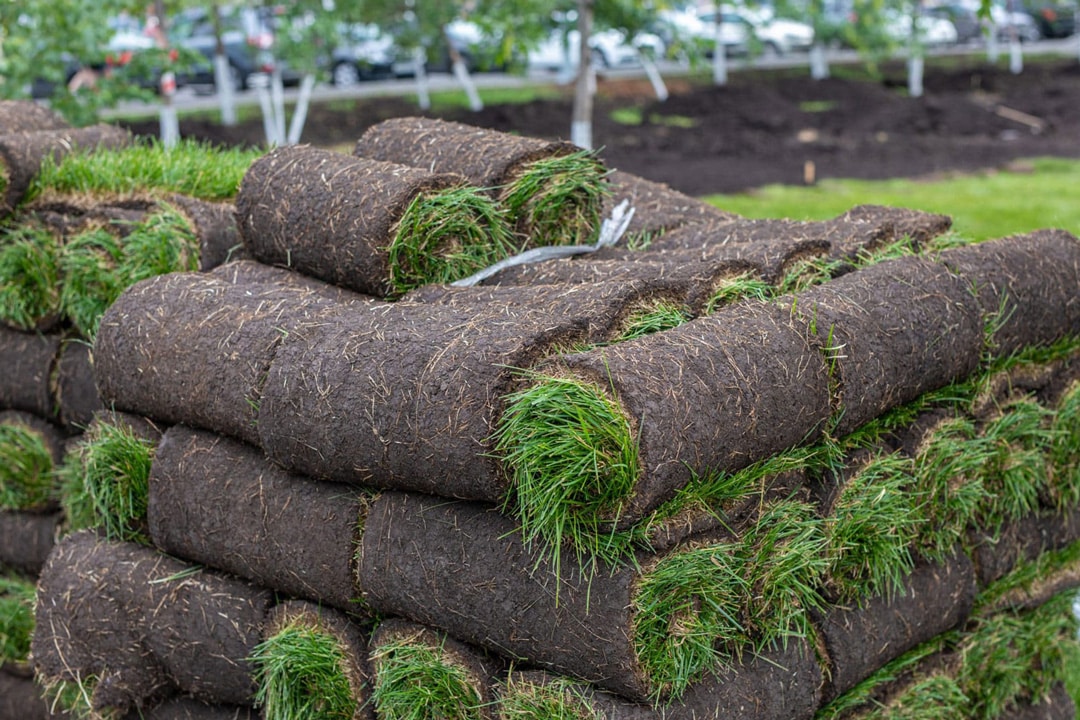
552, 192
126, 626
840, 354
25, 115
22, 155
48, 375
375, 227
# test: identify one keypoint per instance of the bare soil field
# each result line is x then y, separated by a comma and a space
764, 127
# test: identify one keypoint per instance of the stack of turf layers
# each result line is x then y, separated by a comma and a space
85, 213
844, 484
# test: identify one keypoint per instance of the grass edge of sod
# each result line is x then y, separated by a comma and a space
552, 473
74, 698
300, 674
26, 468
17, 597
560, 698
537, 197
29, 277
192, 167
473, 228
161, 243
105, 483
91, 281
411, 675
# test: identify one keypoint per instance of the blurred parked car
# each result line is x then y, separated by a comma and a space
686, 29
775, 36
933, 31
364, 53
1054, 18
609, 49
964, 17
1007, 18
248, 38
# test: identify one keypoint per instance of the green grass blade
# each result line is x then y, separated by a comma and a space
29, 277
300, 674
26, 469
16, 618
558, 200
417, 681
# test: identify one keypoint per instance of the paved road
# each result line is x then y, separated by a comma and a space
187, 99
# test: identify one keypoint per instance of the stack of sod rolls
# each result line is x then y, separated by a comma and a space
87, 212
850, 472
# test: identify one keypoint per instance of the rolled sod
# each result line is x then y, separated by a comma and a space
215, 226
28, 360
919, 226
463, 568
26, 115
77, 397
751, 386
553, 191
890, 333
1021, 541
30, 450
1016, 281
105, 476
657, 207
194, 349
859, 640
22, 153
418, 672
30, 278
16, 619
143, 623
26, 539
406, 395
604, 310
375, 227
221, 503
312, 662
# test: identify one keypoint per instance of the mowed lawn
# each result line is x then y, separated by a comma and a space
1029, 195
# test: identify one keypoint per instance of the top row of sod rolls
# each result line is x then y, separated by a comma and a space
421, 201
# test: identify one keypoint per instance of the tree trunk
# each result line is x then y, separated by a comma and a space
915, 56
461, 72
819, 64
222, 76
303, 101
653, 73
581, 122
423, 93
170, 125
719, 64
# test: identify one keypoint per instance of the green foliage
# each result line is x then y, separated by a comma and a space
29, 277
105, 482
192, 168
932, 698
740, 287
417, 681
16, 618
300, 674
572, 458
26, 468
447, 235
1014, 472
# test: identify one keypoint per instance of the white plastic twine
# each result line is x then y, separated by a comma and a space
611, 231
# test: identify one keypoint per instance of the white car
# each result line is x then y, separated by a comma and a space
688, 27
932, 31
609, 48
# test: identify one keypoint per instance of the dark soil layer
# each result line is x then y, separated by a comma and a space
760, 129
